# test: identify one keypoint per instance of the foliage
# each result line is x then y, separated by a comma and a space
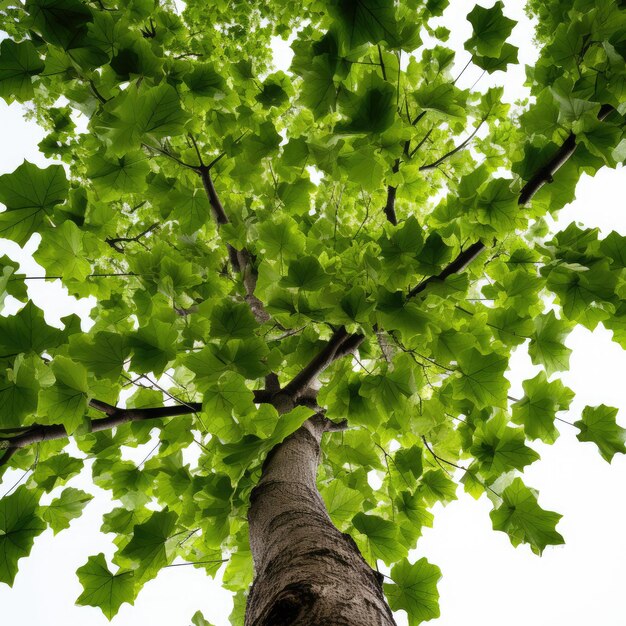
245, 230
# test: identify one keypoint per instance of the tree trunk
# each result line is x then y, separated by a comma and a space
307, 573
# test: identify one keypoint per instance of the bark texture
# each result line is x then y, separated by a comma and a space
308, 573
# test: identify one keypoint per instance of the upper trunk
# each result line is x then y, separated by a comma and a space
308, 573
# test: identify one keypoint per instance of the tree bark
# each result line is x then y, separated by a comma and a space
307, 573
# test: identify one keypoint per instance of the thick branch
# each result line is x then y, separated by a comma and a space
317, 365
219, 215
390, 205
207, 182
241, 261
545, 174
389, 208
115, 417
458, 265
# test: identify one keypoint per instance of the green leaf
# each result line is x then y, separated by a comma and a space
490, 30
414, 590
61, 22
153, 347
263, 143
191, 209
536, 411
507, 56
409, 461
144, 114
342, 502
56, 470
19, 62
103, 354
18, 393
126, 482
482, 379
362, 21
497, 205
435, 486
65, 402
204, 81
26, 331
11, 283
61, 252
146, 552
572, 109
319, 91
382, 541
306, 274
29, 194
390, 390
598, 425
62, 510
115, 177
371, 110
547, 346
442, 98
289, 423
585, 294
614, 247
499, 448
228, 396
102, 588
524, 520
232, 320
281, 239
19, 525
363, 168
406, 241
198, 620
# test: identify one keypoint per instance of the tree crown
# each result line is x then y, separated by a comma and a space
359, 235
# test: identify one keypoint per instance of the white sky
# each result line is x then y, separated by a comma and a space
486, 581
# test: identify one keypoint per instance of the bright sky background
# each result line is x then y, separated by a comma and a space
485, 581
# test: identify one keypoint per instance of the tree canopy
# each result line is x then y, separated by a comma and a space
358, 236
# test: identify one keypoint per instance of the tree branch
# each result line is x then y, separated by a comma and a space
240, 260
114, 241
341, 343
390, 206
543, 175
422, 141
562, 155
317, 365
168, 154
8, 453
382, 63
96, 93
216, 205
116, 416
447, 155
457, 265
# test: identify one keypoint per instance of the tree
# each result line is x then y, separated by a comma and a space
301, 277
